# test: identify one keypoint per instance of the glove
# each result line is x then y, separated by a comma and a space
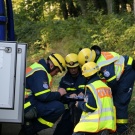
31, 114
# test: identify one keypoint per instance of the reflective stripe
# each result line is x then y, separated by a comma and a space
27, 105
81, 86
107, 118
104, 63
42, 92
105, 110
122, 121
112, 78
70, 89
90, 57
92, 108
130, 60
44, 122
34, 70
119, 67
91, 87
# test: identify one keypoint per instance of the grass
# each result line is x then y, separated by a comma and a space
132, 114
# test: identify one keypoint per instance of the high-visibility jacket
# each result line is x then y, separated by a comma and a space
107, 58
29, 71
104, 117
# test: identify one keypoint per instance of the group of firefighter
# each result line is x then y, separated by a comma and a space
92, 97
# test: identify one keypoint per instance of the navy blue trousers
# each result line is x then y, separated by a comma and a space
123, 96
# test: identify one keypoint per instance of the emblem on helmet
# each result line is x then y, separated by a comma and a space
86, 57
84, 68
71, 63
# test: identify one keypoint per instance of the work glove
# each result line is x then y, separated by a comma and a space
31, 114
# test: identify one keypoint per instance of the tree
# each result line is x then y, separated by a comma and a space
134, 7
109, 6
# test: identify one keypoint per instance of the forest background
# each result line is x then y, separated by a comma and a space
64, 26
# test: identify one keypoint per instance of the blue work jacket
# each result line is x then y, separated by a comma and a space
38, 82
73, 84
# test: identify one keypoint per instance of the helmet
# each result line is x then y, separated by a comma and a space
89, 69
97, 49
71, 60
86, 55
58, 61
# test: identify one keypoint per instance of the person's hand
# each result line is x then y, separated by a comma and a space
62, 91
76, 104
72, 95
81, 94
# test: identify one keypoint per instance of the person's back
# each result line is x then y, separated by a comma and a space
73, 82
119, 73
42, 107
98, 109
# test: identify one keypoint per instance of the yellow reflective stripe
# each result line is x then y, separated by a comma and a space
27, 105
71, 89
130, 60
92, 108
112, 78
42, 92
122, 121
44, 122
81, 86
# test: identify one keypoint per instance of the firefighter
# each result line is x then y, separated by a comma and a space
42, 107
119, 74
73, 82
99, 114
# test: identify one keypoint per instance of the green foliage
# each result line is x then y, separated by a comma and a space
111, 32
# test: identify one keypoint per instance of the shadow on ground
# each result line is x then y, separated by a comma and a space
13, 129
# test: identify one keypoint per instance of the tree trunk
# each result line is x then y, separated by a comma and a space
134, 7
116, 6
83, 5
64, 9
71, 9
109, 6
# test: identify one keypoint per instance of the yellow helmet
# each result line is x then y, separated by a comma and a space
89, 69
58, 61
86, 55
71, 60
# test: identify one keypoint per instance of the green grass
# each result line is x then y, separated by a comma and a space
132, 114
